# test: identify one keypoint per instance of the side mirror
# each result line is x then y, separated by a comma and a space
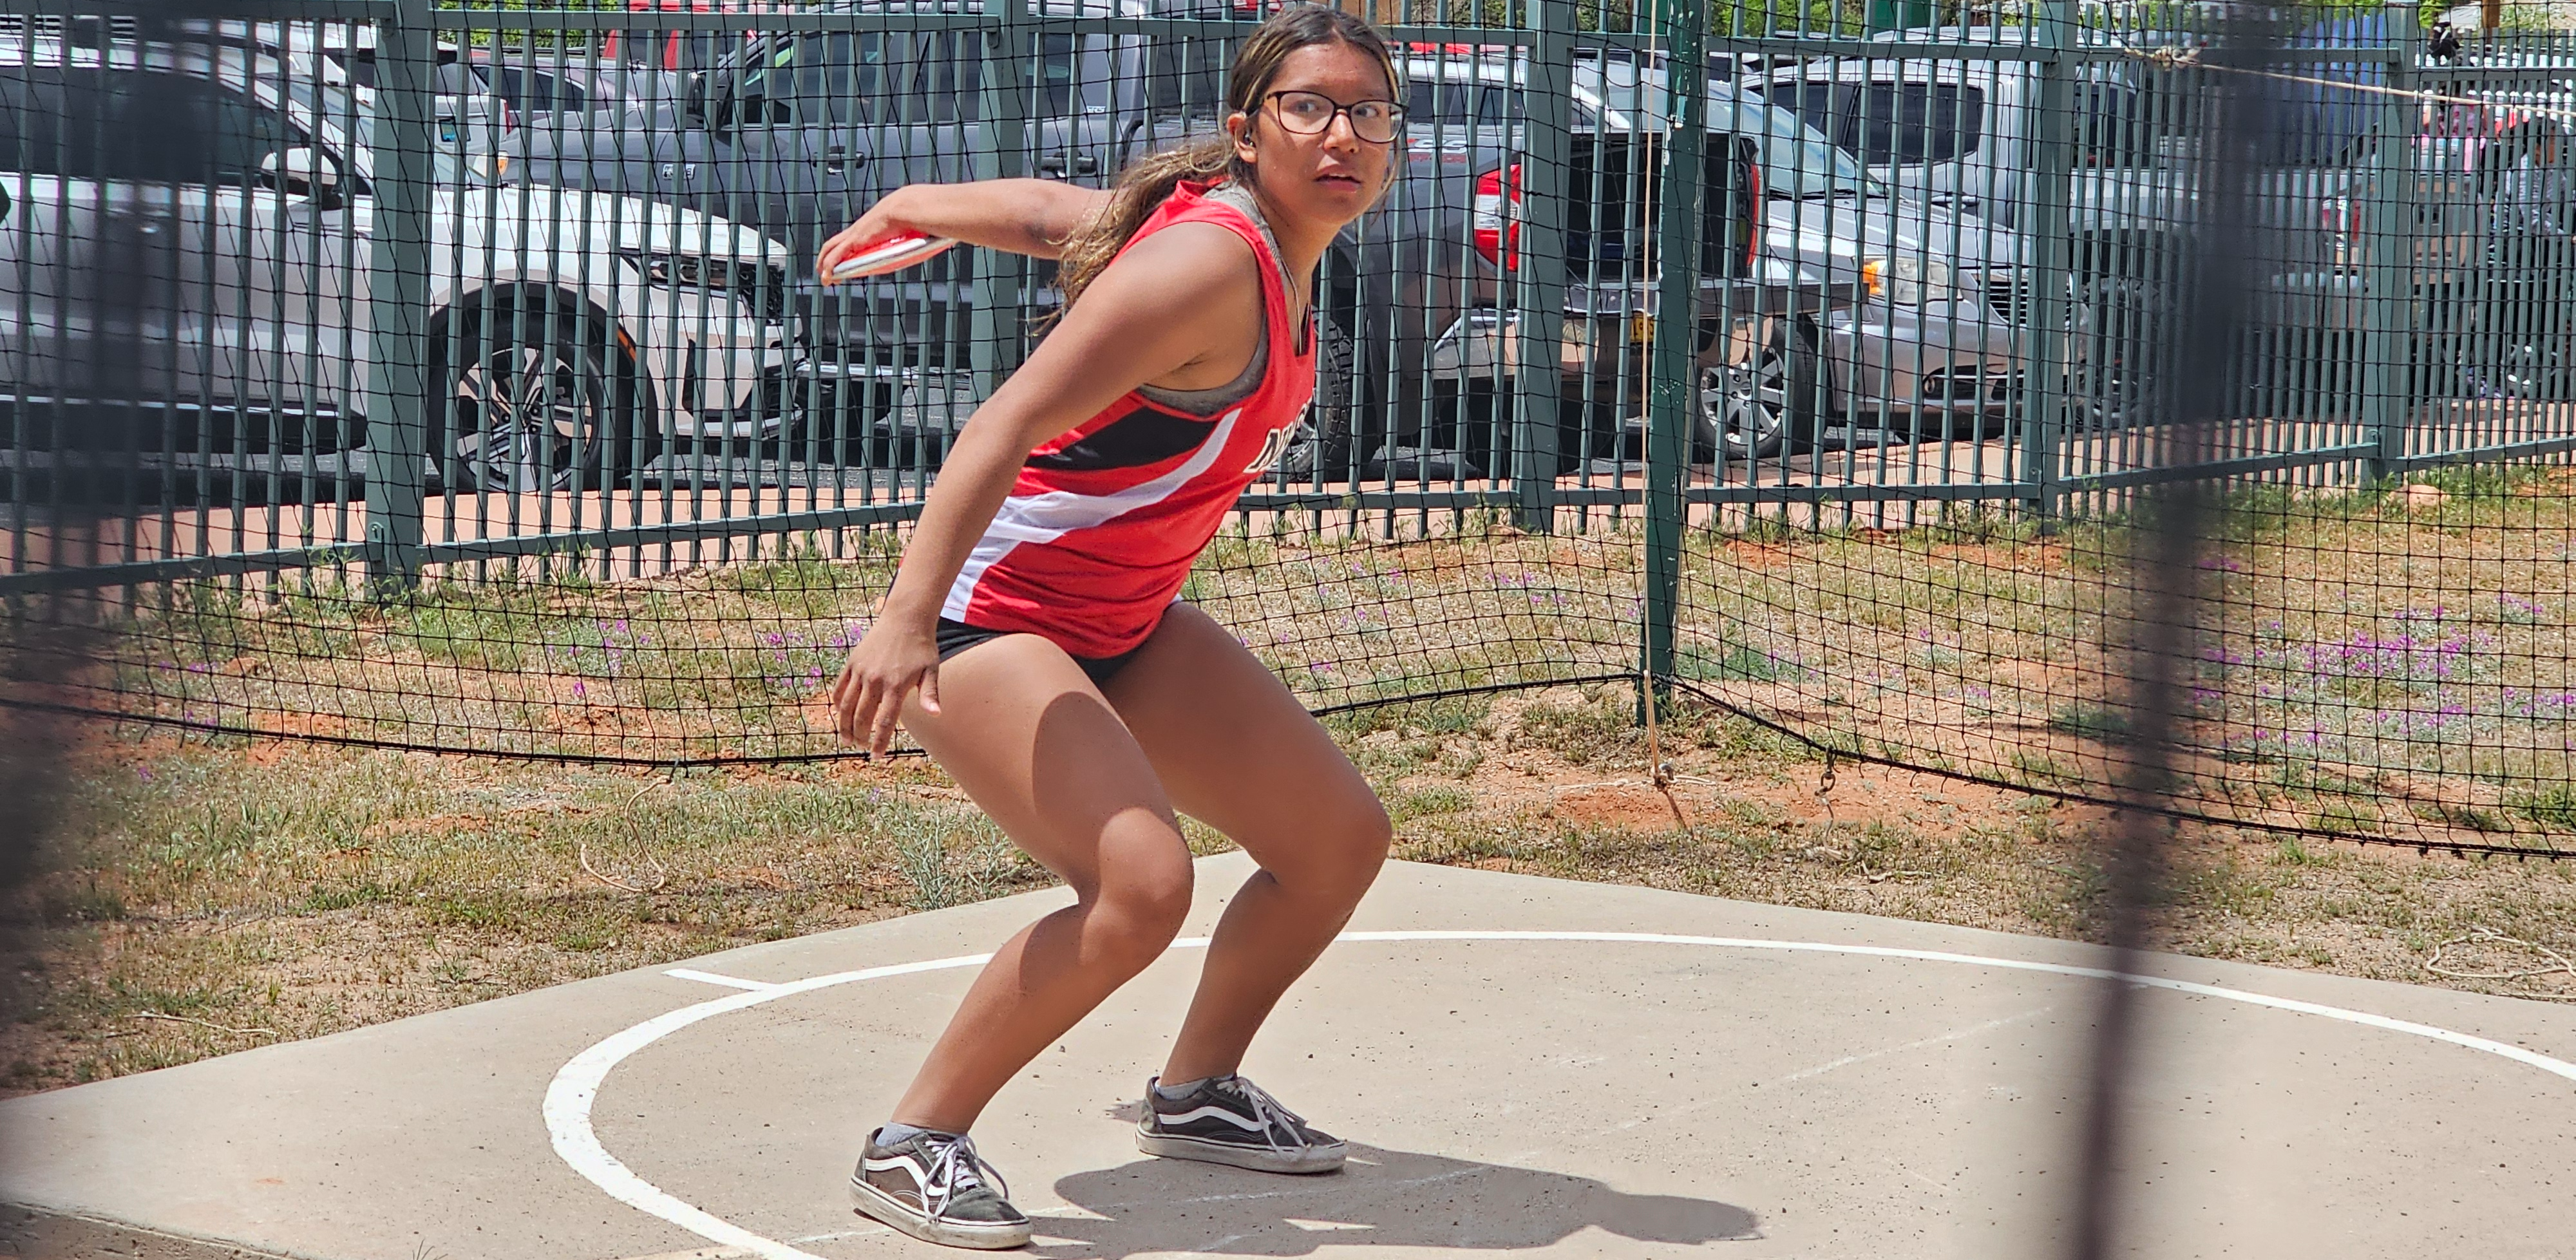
694, 101
303, 172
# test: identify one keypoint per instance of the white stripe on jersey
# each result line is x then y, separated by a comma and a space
1043, 518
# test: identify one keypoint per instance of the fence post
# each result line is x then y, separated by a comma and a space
398, 387
1546, 151
1671, 397
2388, 289
2046, 401
998, 337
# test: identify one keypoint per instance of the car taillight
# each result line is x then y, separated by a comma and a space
1753, 215
2342, 222
1497, 216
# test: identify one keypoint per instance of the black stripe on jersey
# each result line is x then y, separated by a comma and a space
1143, 436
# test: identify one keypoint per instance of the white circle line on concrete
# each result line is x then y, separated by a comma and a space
576, 1084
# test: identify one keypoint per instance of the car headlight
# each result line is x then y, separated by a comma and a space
695, 271
1906, 281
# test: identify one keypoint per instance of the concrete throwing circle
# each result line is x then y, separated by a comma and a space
576, 1085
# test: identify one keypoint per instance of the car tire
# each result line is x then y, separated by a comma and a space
2516, 345
1319, 448
520, 411
1756, 408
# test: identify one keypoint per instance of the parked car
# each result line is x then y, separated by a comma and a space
572, 333
1960, 133
803, 129
681, 52
537, 86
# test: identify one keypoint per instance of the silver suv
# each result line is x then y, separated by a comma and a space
231, 204
1898, 345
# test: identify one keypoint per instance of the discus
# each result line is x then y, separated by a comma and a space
894, 253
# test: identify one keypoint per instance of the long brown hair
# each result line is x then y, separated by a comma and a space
1146, 182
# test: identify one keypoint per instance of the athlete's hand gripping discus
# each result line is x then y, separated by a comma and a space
893, 253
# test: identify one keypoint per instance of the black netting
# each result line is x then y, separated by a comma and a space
456, 378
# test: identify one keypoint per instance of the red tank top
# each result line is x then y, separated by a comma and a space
1103, 525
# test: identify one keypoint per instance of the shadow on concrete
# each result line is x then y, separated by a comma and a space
1383, 1198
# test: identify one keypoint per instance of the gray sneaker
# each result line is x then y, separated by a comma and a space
934, 1187
1229, 1120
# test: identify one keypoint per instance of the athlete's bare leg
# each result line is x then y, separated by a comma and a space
1033, 742
1238, 752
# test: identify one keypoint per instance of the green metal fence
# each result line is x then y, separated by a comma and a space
2025, 381
407, 303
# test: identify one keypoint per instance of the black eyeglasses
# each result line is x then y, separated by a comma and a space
1312, 113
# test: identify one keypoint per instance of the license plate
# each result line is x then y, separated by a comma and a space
1641, 329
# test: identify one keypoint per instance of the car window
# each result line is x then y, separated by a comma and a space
237, 133
1919, 122
1186, 75
2116, 130
849, 79
695, 50
32, 116
147, 127
947, 71
1444, 103
1889, 121
795, 82
533, 91
1073, 75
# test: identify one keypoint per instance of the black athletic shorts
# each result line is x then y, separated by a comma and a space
957, 636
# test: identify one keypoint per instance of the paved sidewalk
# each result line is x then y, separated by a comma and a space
1808, 1085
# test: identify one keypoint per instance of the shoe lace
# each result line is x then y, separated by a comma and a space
1274, 1118
955, 1167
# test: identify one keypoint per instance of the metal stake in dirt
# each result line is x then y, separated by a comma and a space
2227, 248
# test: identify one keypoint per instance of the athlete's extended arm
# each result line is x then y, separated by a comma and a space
1182, 296
1021, 216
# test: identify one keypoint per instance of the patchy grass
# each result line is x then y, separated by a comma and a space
1920, 847
2371, 662
2377, 661
216, 894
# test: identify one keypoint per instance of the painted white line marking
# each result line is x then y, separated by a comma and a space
709, 977
576, 1084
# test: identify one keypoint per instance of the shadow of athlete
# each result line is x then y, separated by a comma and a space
1382, 1199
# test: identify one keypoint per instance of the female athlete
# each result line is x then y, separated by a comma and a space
1034, 643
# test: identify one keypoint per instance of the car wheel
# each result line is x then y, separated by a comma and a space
1320, 446
1751, 405
2112, 347
526, 416
2513, 350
